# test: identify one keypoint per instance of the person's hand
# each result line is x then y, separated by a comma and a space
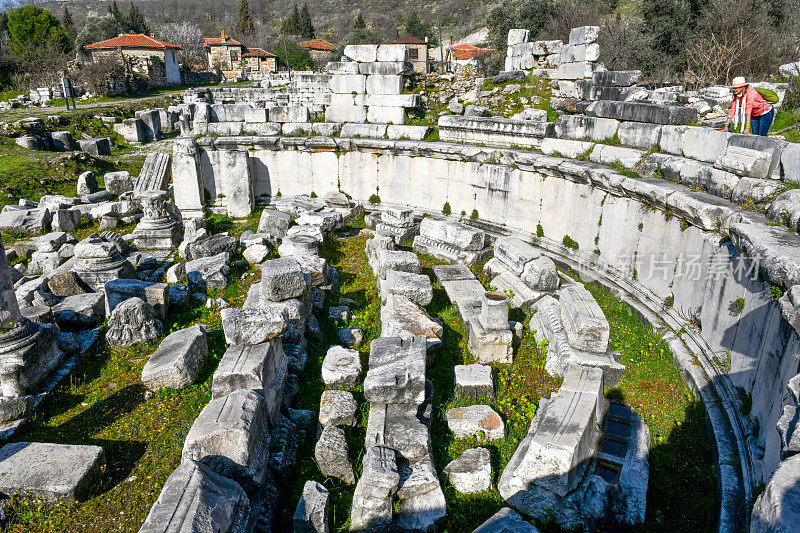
725, 128
746, 129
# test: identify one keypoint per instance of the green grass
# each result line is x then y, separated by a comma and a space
8, 95
533, 88
783, 119
31, 174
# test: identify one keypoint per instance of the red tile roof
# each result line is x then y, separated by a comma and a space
409, 39
258, 52
317, 44
134, 40
469, 51
221, 40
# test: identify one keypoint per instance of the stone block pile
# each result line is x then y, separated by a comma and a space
521, 272
523, 54
577, 331
398, 224
564, 64
397, 464
404, 292
578, 60
36, 136
367, 86
248, 434
451, 241
148, 124
113, 205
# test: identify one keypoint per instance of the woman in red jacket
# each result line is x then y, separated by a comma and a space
750, 109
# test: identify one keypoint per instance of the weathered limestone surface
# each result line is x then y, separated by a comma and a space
776, 510
642, 112
275, 223
253, 326
132, 322
178, 360
479, 421
506, 520
399, 427
341, 368
415, 287
584, 322
120, 290
555, 453
49, 472
311, 515
471, 472
451, 241
337, 408
282, 279
400, 317
80, 311
396, 371
330, 453
260, 367
372, 500
473, 381
494, 131
230, 436
195, 498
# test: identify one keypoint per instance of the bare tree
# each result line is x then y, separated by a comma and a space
189, 36
731, 42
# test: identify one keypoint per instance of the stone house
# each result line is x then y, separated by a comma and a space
259, 60
224, 53
319, 49
417, 52
142, 55
230, 57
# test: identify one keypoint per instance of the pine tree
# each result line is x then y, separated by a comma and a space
291, 26
114, 11
415, 27
68, 25
359, 24
136, 22
245, 24
305, 27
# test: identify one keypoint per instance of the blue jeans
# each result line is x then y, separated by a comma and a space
760, 125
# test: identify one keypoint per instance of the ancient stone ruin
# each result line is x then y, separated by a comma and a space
485, 253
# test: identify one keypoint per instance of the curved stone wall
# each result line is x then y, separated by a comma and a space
648, 238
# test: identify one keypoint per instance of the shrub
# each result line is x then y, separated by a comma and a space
474, 215
569, 243
739, 303
539, 231
374, 199
776, 292
446, 208
669, 301
313, 194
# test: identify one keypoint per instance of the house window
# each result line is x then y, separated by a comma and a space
413, 53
